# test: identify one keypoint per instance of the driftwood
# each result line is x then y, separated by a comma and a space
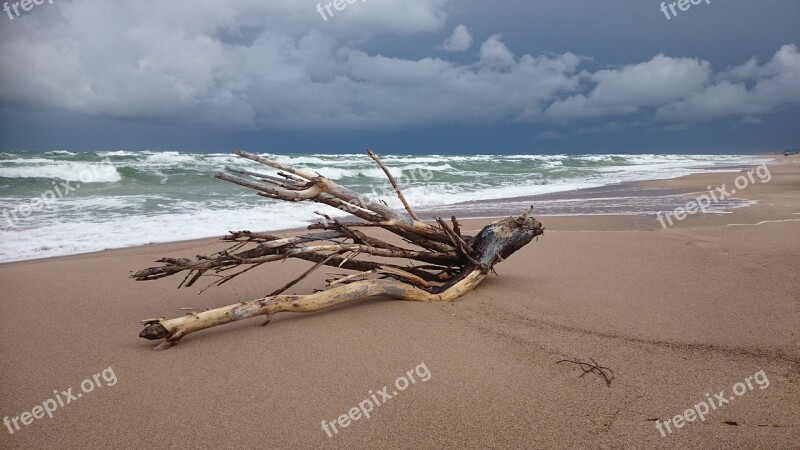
443, 266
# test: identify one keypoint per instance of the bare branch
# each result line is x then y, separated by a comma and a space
394, 184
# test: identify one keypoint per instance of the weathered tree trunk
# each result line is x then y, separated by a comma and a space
453, 264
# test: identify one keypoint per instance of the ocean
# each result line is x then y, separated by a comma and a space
62, 203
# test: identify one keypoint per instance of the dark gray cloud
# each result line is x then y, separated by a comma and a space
280, 67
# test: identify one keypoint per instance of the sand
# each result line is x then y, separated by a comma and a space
677, 314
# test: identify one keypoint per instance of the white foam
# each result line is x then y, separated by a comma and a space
62, 170
411, 172
431, 195
60, 152
119, 153
28, 161
68, 238
169, 158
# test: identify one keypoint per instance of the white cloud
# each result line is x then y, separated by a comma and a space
627, 89
277, 64
773, 85
218, 66
494, 53
682, 89
459, 41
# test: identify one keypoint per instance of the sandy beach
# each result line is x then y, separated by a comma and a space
707, 305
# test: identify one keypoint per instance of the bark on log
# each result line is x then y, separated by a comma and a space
454, 263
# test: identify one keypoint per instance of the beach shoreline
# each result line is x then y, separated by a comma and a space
495, 208
676, 313
139, 198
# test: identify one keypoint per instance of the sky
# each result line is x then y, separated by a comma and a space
410, 76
